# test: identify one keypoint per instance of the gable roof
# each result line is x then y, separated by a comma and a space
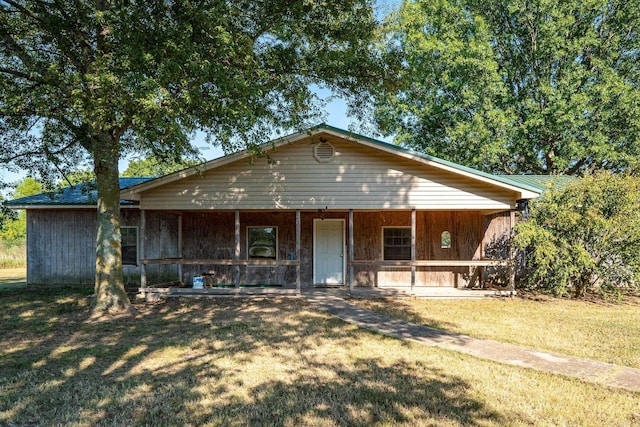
541, 182
84, 195
526, 189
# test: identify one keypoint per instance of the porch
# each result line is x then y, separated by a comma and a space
152, 293
409, 252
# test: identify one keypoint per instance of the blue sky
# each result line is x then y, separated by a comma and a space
336, 115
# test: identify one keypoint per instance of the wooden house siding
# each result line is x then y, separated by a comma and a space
358, 177
210, 235
61, 245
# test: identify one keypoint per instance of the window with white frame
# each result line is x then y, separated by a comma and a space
129, 245
262, 242
396, 243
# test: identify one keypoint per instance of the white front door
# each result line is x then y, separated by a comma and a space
328, 250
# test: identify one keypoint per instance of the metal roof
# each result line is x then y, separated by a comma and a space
76, 195
505, 179
501, 180
542, 182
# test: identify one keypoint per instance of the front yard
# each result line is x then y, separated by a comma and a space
262, 362
595, 330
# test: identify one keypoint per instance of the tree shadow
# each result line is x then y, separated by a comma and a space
231, 361
366, 394
396, 308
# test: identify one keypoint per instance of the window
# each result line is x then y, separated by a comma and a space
262, 242
396, 243
445, 240
129, 245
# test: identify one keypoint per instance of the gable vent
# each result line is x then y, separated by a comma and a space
324, 152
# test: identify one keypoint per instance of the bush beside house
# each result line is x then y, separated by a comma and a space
583, 236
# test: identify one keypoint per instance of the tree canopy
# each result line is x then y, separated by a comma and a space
152, 166
14, 229
519, 86
90, 81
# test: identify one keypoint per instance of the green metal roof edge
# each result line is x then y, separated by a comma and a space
543, 182
500, 178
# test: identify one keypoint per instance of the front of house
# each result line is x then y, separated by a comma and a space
320, 207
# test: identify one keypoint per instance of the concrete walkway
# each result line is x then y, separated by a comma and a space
589, 370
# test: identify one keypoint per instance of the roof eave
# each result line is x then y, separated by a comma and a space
524, 191
132, 193
62, 206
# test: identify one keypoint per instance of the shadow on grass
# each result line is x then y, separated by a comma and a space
12, 279
222, 361
396, 308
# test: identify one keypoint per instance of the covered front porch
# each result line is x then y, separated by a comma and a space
393, 252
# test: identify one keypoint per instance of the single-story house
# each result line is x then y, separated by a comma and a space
319, 207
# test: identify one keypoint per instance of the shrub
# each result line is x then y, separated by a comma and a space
583, 236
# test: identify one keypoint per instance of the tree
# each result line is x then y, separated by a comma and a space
95, 80
15, 228
542, 87
152, 166
584, 236
81, 176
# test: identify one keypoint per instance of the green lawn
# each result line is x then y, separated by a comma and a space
596, 330
260, 362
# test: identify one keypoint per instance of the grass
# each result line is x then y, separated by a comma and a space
596, 330
13, 278
260, 362
13, 256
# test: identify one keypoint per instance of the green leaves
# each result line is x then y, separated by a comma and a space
585, 236
151, 73
86, 82
518, 86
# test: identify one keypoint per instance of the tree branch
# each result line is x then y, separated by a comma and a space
38, 152
21, 75
25, 11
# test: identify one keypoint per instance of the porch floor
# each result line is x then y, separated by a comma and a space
427, 292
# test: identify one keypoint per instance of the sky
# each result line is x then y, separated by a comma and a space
336, 115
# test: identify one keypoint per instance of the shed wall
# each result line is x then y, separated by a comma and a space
61, 245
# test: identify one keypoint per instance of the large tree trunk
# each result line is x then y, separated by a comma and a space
110, 295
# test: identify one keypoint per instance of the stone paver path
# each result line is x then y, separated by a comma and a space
599, 372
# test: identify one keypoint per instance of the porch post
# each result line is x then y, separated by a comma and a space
413, 249
236, 252
351, 251
180, 247
143, 255
512, 253
298, 234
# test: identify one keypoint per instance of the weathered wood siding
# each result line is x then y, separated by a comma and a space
210, 235
466, 238
496, 244
61, 245
161, 229
358, 177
